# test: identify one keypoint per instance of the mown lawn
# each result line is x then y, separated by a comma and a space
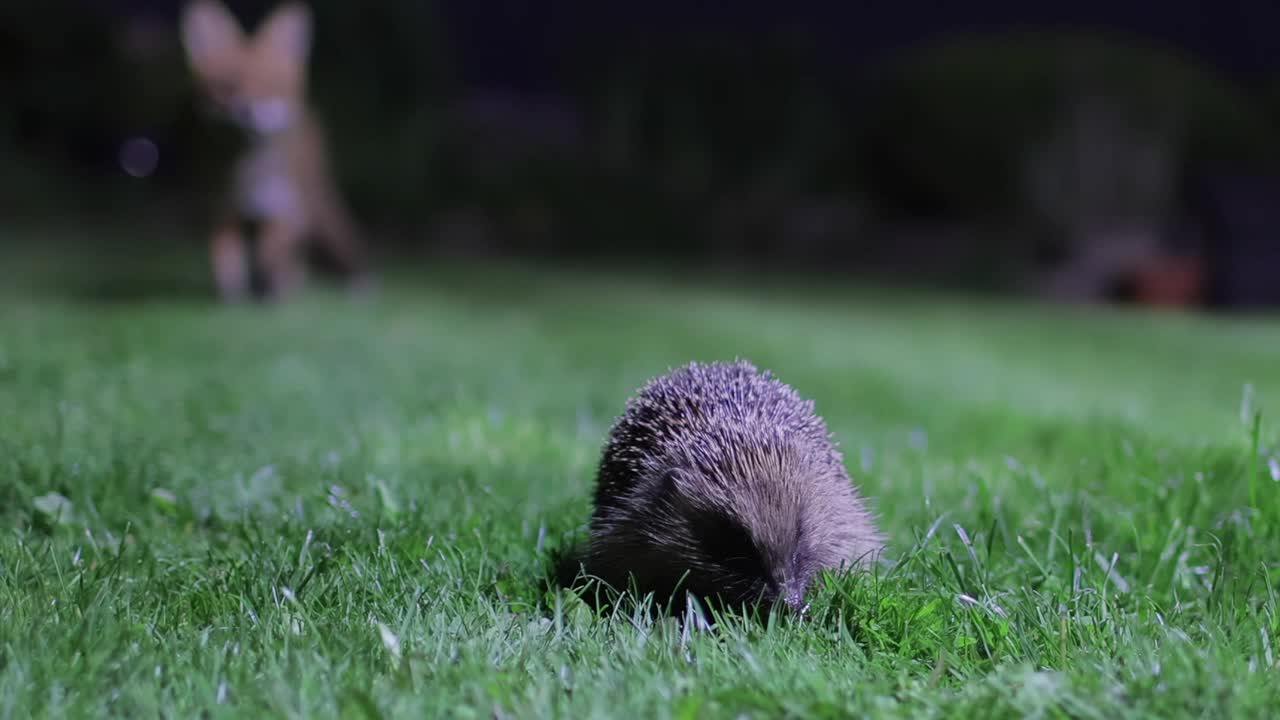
346, 508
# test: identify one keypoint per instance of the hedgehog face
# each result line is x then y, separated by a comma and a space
746, 546
745, 565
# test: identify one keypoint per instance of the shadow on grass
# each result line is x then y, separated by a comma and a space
116, 289
145, 271
564, 571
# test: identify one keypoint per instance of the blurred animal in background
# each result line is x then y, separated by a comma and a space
282, 188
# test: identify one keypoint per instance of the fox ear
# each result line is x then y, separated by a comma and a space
210, 33
286, 33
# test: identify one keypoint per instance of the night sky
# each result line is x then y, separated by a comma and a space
519, 43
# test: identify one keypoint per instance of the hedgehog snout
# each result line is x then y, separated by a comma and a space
789, 587
794, 599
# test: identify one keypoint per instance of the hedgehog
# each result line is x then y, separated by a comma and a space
721, 482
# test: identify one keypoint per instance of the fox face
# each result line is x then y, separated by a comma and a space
257, 81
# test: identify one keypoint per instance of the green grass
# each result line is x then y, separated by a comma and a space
339, 508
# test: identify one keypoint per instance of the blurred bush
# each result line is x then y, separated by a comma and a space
948, 125
723, 145
60, 108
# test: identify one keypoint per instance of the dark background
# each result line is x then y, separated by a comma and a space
1076, 149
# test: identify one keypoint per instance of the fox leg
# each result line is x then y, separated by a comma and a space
230, 262
278, 254
342, 242
338, 233
349, 250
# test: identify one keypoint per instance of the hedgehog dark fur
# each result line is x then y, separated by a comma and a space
721, 481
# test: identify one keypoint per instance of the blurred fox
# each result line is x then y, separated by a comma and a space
283, 183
